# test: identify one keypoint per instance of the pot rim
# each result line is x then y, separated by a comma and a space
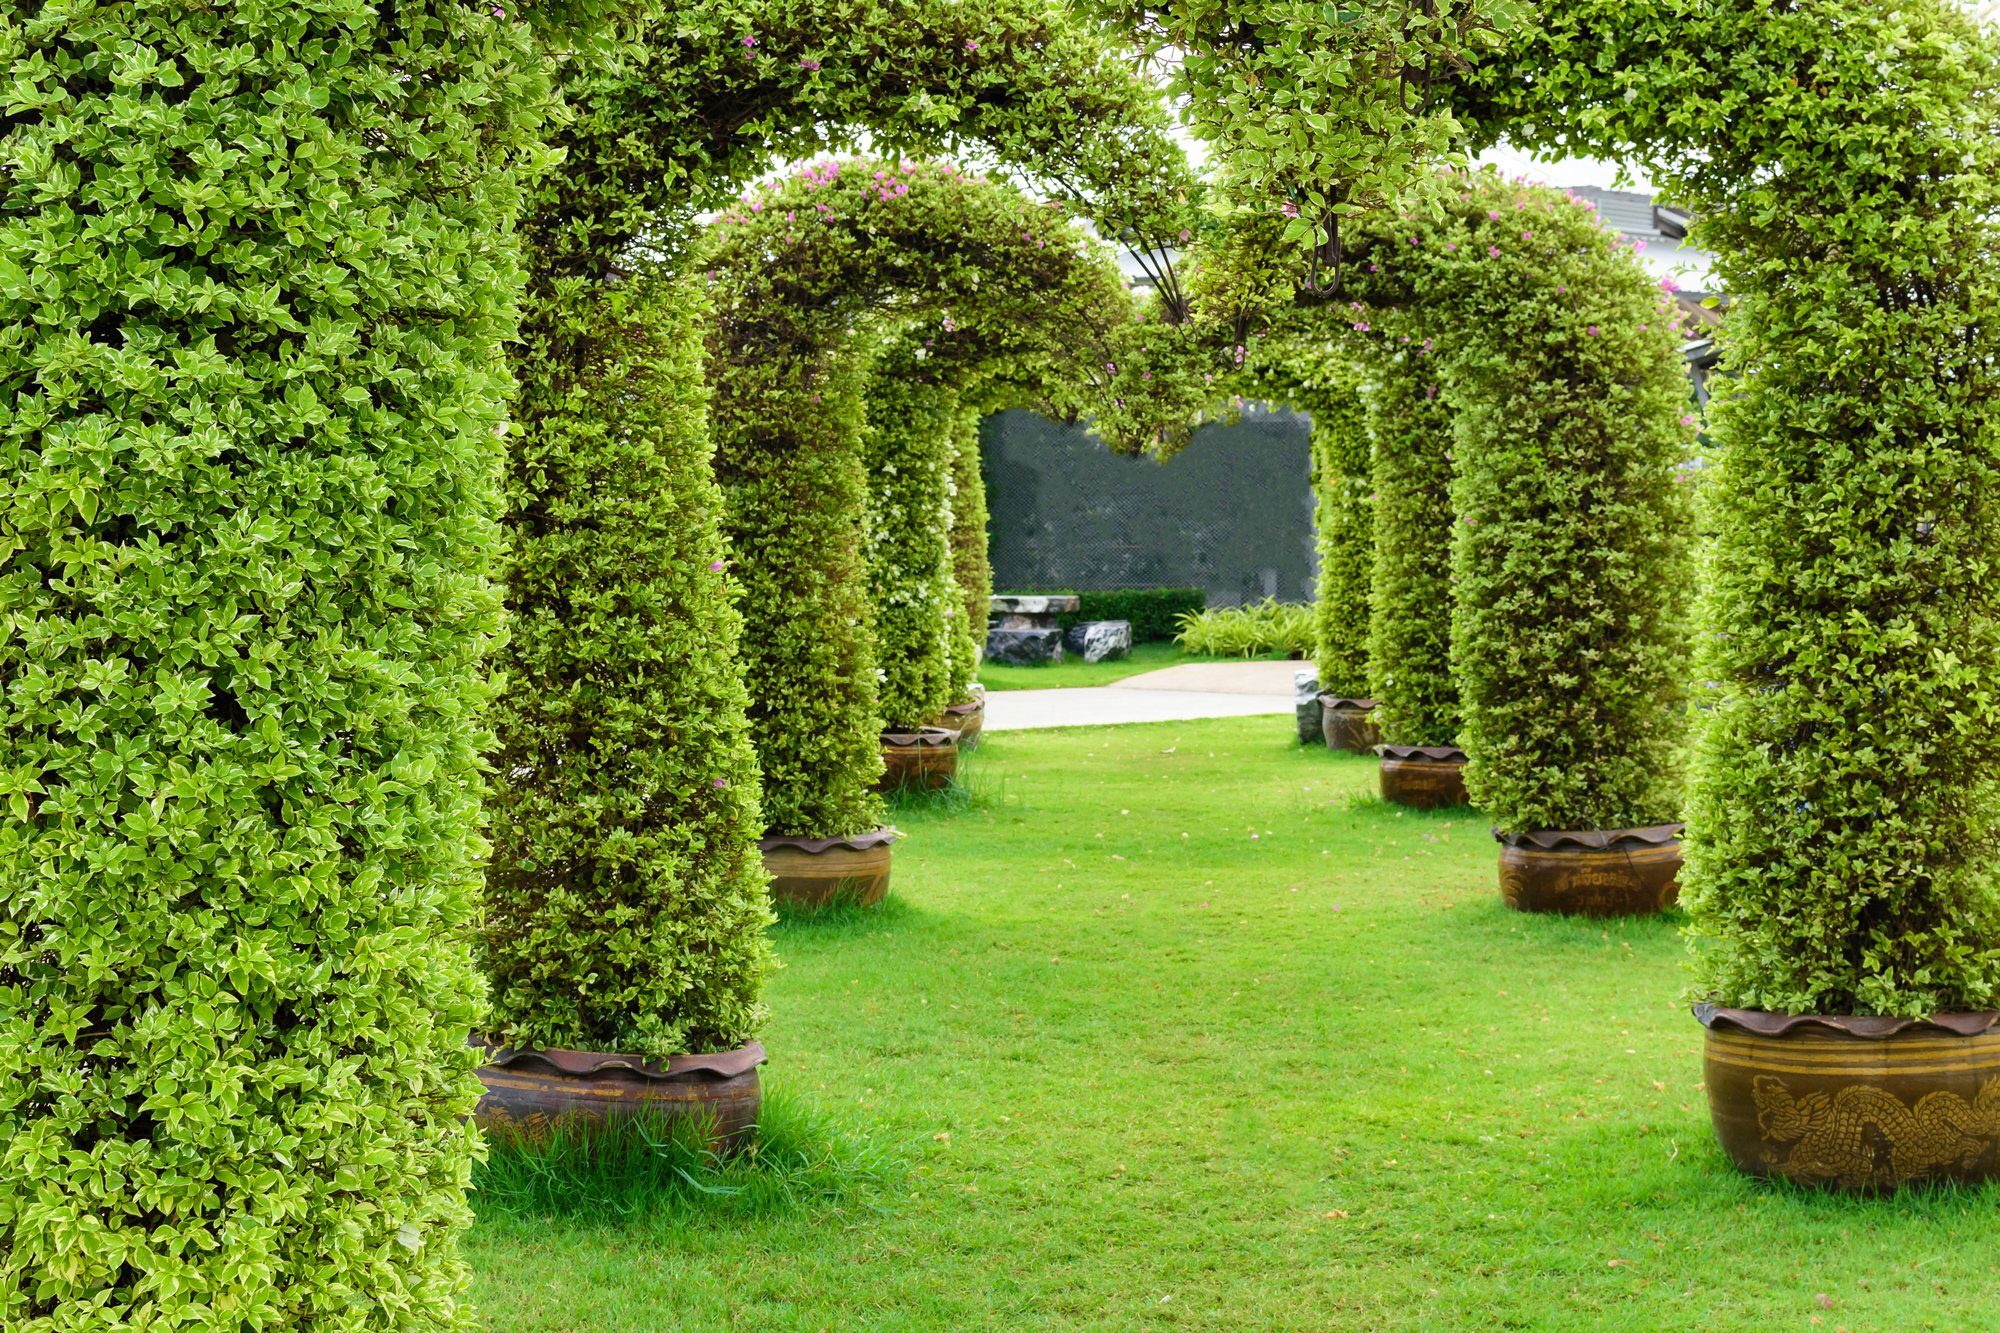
1439, 754
919, 737
1342, 701
1861, 1027
586, 1064
973, 705
1549, 840
859, 842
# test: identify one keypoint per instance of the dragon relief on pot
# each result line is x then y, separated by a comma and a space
1844, 1135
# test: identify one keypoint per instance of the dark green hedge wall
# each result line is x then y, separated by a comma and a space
1153, 612
256, 267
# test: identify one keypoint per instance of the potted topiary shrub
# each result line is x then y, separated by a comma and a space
1571, 558
1840, 879
1409, 638
623, 934
909, 451
252, 448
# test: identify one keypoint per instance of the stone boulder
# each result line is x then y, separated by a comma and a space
1024, 647
1305, 700
1099, 640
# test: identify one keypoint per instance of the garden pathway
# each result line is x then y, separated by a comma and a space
1172, 694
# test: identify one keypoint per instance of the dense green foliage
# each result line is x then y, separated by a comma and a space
971, 563
1251, 630
257, 264
625, 902
1842, 157
1570, 533
808, 277
1410, 602
909, 454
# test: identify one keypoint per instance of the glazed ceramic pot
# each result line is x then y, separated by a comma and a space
1348, 725
1424, 777
923, 760
815, 872
966, 719
530, 1092
1859, 1103
1615, 872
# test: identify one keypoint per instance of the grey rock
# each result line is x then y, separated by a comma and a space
1305, 700
1024, 647
1099, 640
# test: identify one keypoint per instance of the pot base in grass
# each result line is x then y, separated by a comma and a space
1423, 777
530, 1093
922, 760
1348, 725
1614, 872
1855, 1103
966, 719
822, 872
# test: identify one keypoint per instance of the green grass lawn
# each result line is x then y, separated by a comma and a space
1177, 1026
1074, 671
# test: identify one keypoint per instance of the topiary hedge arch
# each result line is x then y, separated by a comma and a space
807, 279
625, 906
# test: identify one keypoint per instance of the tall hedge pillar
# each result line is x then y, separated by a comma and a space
1409, 638
910, 452
1344, 528
971, 560
257, 268
625, 903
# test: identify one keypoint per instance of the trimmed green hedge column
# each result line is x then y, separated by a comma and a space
257, 267
971, 563
1344, 527
909, 457
625, 903
1409, 632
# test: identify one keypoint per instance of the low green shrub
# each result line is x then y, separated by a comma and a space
1250, 630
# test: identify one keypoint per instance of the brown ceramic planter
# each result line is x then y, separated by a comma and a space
1617, 872
966, 719
1855, 1103
813, 872
1348, 725
925, 759
1424, 777
529, 1093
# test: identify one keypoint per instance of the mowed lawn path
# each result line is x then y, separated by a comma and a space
1178, 1026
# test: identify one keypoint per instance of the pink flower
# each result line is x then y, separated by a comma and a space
808, 63
1687, 421
972, 46
1492, 252
1289, 209
721, 782
749, 43
1593, 330
1493, 213
715, 566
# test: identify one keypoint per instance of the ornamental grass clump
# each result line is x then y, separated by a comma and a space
810, 279
257, 269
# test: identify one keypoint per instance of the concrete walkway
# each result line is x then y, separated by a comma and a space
1172, 694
